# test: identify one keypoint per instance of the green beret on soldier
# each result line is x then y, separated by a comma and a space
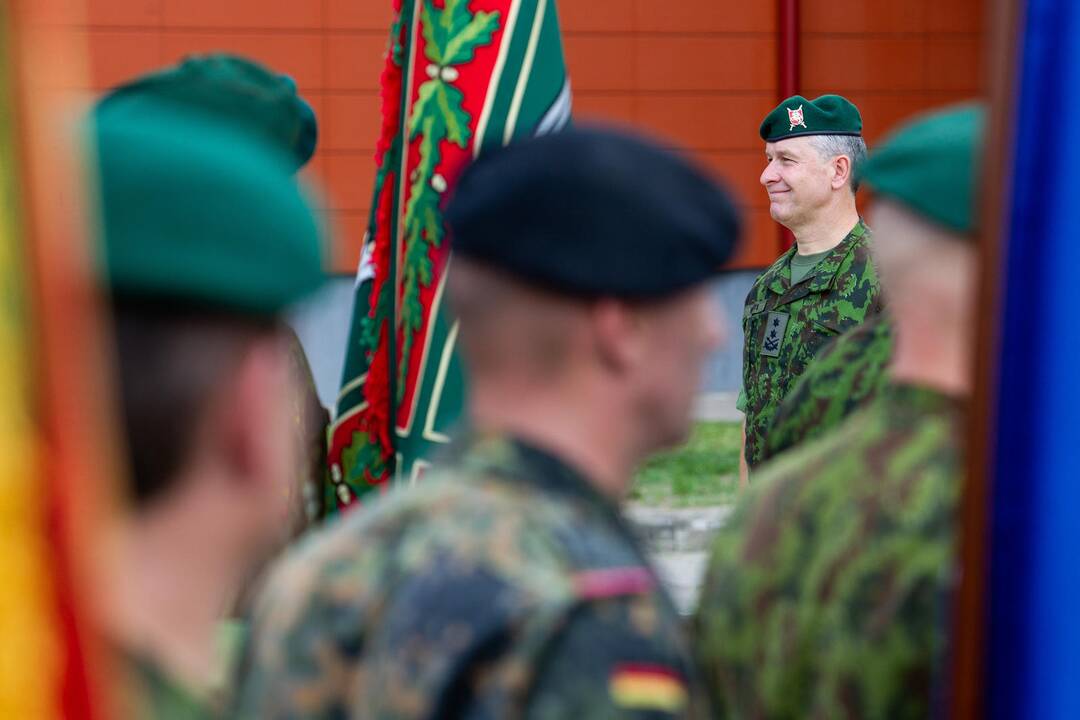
826, 283
206, 240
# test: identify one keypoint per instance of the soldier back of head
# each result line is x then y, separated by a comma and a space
601, 245
206, 238
506, 582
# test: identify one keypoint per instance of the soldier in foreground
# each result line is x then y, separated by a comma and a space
826, 284
207, 238
827, 593
509, 584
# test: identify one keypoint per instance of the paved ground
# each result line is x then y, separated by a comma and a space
678, 541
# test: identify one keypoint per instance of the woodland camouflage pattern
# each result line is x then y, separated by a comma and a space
828, 592
784, 327
504, 587
847, 373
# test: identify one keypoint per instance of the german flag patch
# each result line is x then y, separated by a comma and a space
648, 687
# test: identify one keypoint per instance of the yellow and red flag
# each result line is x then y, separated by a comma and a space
53, 459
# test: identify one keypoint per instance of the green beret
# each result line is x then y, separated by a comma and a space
930, 165
196, 212
233, 89
797, 116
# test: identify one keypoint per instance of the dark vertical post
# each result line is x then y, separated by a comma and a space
1001, 55
788, 67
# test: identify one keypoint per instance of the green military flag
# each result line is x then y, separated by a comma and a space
460, 76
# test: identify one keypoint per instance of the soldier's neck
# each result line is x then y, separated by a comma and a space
166, 595
933, 349
579, 432
827, 229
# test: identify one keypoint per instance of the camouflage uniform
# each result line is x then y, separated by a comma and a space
507, 587
827, 593
847, 373
785, 327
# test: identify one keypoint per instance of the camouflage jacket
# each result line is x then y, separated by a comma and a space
784, 327
847, 373
504, 586
828, 593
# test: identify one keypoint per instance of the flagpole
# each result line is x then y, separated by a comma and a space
72, 390
970, 616
788, 67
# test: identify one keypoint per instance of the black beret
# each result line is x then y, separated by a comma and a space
593, 212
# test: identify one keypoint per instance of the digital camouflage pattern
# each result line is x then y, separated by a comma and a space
785, 326
504, 587
847, 373
827, 594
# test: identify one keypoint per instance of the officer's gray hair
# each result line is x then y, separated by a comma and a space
829, 146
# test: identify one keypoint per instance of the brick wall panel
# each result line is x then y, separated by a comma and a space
706, 122
137, 13
117, 56
601, 62
349, 228
856, 63
953, 63
243, 14
612, 108
706, 63
596, 15
359, 14
350, 180
299, 55
863, 16
701, 16
354, 61
352, 122
741, 173
956, 16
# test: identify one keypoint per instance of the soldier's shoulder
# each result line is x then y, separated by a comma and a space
766, 276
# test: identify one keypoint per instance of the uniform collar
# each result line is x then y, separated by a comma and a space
520, 461
823, 276
909, 403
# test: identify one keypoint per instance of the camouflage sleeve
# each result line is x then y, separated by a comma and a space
612, 659
823, 595
725, 632
847, 373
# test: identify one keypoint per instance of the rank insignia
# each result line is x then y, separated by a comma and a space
775, 326
795, 117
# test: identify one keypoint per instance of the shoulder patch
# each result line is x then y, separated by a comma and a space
648, 687
613, 582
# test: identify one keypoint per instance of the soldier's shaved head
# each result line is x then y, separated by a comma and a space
508, 326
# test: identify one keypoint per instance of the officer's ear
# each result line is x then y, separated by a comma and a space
842, 169
617, 334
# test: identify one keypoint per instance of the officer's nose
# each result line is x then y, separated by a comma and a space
769, 175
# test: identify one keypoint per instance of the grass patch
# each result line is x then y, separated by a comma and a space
704, 471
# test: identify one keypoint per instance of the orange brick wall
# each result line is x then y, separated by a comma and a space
701, 73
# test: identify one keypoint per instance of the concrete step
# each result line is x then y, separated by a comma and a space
678, 541
678, 530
